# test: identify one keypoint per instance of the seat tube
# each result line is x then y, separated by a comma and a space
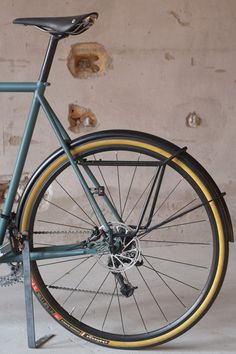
20, 161
28, 132
49, 56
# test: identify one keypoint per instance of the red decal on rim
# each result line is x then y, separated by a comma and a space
34, 285
57, 316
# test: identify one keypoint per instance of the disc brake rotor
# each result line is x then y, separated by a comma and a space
127, 250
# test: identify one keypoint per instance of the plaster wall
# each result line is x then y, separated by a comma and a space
169, 58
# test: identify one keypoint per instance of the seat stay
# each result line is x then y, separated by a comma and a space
61, 134
46, 107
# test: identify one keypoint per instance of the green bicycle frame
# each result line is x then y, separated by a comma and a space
38, 89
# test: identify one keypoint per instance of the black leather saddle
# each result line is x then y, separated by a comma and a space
71, 25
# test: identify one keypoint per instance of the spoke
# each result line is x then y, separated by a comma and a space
68, 260
109, 306
68, 212
75, 202
107, 188
178, 280
44, 244
68, 272
174, 261
140, 197
152, 294
182, 208
79, 283
57, 223
183, 224
139, 311
130, 186
141, 236
121, 317
178, 242
118, 181
174, 217
140, 314
168, 196
159, 275
93, 297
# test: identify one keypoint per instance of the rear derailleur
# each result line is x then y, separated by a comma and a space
126, 288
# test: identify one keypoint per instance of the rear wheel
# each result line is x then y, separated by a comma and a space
156, 285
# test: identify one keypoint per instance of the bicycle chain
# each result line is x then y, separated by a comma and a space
13, 277
56, 232
81, 290
67, 288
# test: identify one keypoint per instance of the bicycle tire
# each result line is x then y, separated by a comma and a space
200, 183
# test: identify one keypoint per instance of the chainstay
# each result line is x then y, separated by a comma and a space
68, 288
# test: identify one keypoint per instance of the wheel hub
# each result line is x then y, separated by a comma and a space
126, 249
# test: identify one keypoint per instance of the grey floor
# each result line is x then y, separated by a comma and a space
215, 333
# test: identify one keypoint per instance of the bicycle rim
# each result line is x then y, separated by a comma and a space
182, 262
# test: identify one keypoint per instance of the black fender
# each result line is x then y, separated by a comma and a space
148, 138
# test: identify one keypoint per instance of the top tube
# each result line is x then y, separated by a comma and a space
18, 86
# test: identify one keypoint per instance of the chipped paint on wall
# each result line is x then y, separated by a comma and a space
88, 60
15, 63
178, 19
4, 184
169, 56
3, 188
14, 140
205, 114
193, 120
80, 117
220, 71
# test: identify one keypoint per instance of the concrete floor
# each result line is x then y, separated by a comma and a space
214, 334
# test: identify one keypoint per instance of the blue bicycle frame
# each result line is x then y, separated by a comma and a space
38, 88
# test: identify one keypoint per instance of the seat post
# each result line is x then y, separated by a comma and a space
48, 59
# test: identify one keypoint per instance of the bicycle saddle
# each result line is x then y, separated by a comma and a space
60, 25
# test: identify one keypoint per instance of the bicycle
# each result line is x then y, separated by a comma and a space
136, 253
